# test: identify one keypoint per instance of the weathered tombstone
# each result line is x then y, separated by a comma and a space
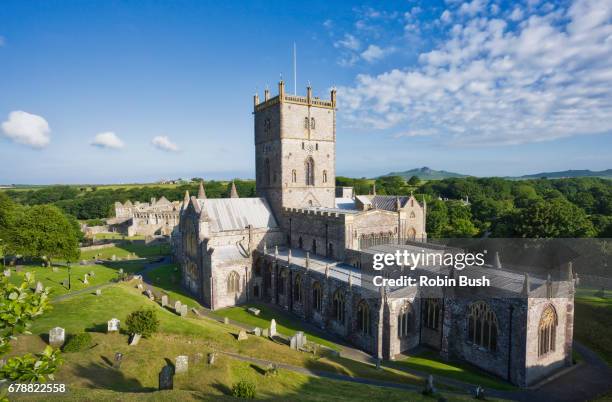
113, 325
265, 332
150, 294
212, 357
39, 287
139, 286
120, 270
184, 310
54, 269
195, 311
177, 307
86, 280
257, 331
293, 342
273, 328
134, 339
197, 357
271, 370
98, 292
479, 393
164, 300
225, 320
181, 364
254, 311
242, 335
7, 273
118, 360
166, 378
57, 336
114, 257
301, 339
429, 386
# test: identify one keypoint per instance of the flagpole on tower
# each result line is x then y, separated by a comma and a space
294, 70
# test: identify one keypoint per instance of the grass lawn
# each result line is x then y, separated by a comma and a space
430, 363
168, 280
592, 318
286, 324
124, 249
117, 236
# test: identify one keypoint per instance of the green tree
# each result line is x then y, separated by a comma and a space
19, 306
143, 322
437, 218
43, 230
414, 181
552, 218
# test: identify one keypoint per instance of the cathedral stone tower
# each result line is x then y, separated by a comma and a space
295, 150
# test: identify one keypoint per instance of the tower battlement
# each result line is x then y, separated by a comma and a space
283, 97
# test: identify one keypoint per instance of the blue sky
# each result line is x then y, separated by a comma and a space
110, 92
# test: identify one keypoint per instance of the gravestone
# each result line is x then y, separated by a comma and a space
150, 294
166, 378
181, 364
134, 339
57, 336
212, 357
184, 310
429, 386
197, 357
98, 292
113, 325
39, 287
273, 328
120, 270
257, 331
479, 393
265, 332
177, 307
300, 339
225, 320
164, 300
114, 257
242, 335
254, 311
139, 286
7, 273
117, 361
293, 342
86, 280
195, 311
54, 269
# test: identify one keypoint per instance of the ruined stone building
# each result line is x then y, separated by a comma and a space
159, 217
307, 247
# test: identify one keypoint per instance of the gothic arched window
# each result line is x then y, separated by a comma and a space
281, 282
233, 282
294, 176
312, 123
325, 176
317, 297
432, 313
314, 246
330, 250
297, 289
258, 266
412, 215
363, 318
306, 122
338, 304
547, 331
300, 242
404, 320
482, 326
267, 173
309, 171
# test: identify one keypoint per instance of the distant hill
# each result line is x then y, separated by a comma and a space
568, 174
426, 173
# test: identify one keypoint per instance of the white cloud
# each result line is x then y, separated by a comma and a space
108, 140
491, 82
472, 8
374, 53
28, 129
517, 14
348, 42
446, 17
163, 142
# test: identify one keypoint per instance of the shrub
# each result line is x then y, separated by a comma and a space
78, 342
244, 389
143, 322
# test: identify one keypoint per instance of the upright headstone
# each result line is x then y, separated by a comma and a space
56, 337
134, 339
257, 331
226, 320
197, 357
166, 378
114, 257
242, 335
98, 292
301, 339
120, 270
113, 325
177, 307
86, 280
181, 364
54, 269
265, 332
150, 294
164, 300
479, 393
39, 287
429, 386
273, 328
293, 342
212, 357
7, 273
184, 310
117, 361
139, 286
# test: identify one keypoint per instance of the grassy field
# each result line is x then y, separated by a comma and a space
593, 315
138, 376
124, 249
429, 362
167, 279
117, 236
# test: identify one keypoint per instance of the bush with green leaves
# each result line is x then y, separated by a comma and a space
143, 322
244, 389
78, 342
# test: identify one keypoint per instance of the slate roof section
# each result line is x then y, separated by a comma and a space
237, 213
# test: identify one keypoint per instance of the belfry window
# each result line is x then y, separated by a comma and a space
309, 171
325, 176
482, 326
404, 320
547, 331
312, 123
294, 176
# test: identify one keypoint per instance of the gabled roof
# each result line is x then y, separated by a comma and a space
162, 201
237, 213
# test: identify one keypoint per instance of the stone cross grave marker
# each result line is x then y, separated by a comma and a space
113, 325
181, 364
57, 336
166, 378
273, 328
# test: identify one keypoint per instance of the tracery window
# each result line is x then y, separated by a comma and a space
317, 297
404, 320
338, 304
431, 313
309, 171
294, 176
363, 318
233, 282
482, 326
547, 331
297, 289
